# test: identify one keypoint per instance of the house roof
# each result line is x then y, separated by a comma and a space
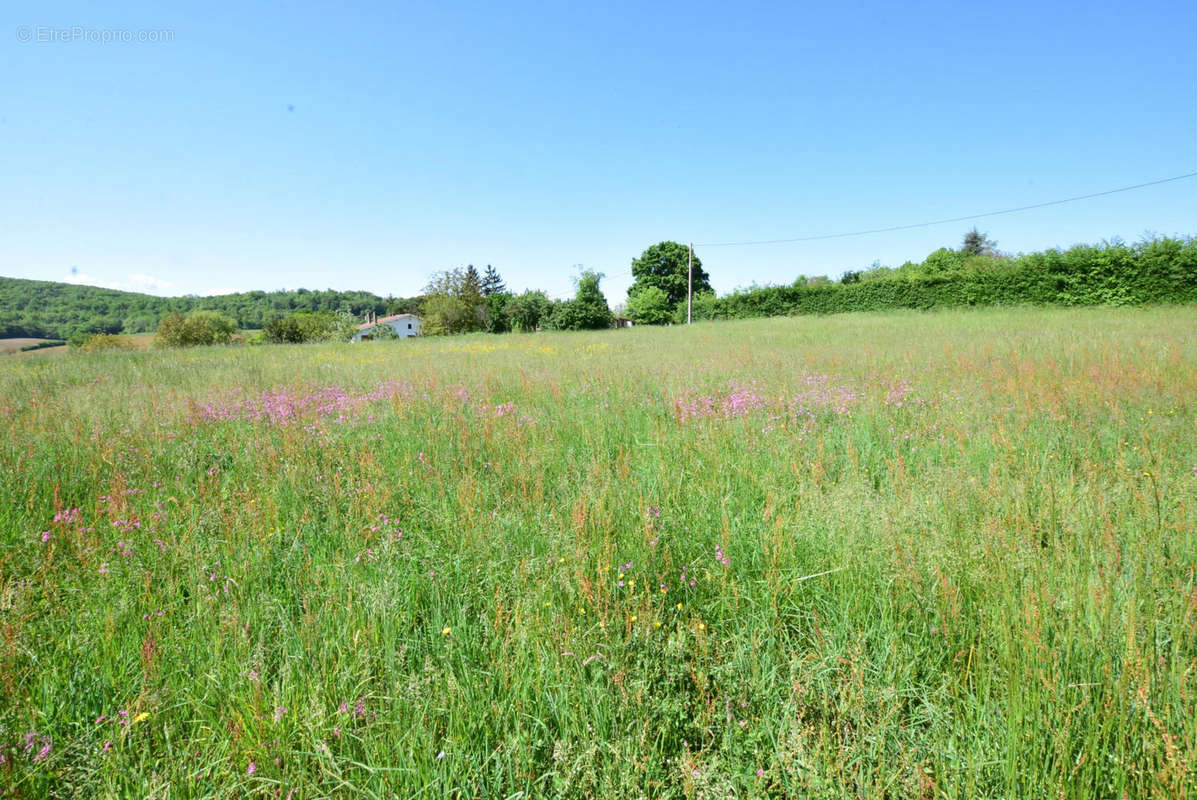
384, 320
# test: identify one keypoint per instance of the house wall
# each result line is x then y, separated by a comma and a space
400, 326
407, 327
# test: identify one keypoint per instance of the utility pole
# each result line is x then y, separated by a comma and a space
690, 286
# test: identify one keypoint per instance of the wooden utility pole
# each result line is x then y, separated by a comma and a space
690, 286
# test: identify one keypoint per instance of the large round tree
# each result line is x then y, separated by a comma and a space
664, 266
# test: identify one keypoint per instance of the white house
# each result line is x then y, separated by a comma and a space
404, 325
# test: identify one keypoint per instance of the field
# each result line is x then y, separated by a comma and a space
137, 341
13, 346
901, 555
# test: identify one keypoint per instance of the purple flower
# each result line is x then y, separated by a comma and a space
251, 769
45, 536
45, 751
278, 713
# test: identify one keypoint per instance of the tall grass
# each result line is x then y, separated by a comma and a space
901, 555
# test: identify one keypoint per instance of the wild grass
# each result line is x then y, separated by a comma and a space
900, 555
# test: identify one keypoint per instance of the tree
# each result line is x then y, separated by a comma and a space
196, 328
309, 326
445, 315
650, 306
470, 285
525, 312
453, 303
587, 311
492, 283
665, 266
978, 244
705, 307
942, 261
497, 319
103, 324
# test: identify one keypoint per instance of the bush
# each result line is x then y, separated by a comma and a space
43, 345
1155, 271
650, 305
528, 311
587, 311
196, 328
307, 326
704, 306
380, 333
106, 341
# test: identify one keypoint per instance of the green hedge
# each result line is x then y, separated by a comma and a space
43, 345
1156, 271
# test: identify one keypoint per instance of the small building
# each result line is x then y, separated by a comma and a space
404, 325
623, 322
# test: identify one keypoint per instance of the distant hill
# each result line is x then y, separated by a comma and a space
48, 309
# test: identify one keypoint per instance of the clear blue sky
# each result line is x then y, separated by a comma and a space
367, 145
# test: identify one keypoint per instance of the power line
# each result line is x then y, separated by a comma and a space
953, 219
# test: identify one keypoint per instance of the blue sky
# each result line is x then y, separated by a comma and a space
368, 145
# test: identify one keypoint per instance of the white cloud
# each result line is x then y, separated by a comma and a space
83, 278
139, 282
135, 282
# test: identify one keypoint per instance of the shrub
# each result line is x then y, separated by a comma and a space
1155, 271
526, 312
650, 305
587, 311
43, 345
196, 328
308, 326
106, 341
380, 333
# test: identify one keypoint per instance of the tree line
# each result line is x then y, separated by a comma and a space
46, 309
466, 300
1155, 270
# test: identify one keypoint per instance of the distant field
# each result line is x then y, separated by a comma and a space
14, 345
895, 555
140, 341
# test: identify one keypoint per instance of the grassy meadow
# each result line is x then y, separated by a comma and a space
895, 555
